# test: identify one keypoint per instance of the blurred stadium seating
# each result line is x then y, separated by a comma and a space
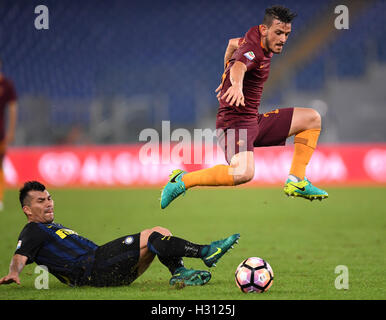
350, 52
107, 69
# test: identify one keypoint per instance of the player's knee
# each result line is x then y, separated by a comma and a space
243, 167
145, 234
315, 120
148, 235
157, 245
245, 176
162, 230
248, 176
144, 237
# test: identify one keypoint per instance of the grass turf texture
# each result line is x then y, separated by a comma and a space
303, 241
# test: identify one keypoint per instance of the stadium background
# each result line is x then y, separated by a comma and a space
105, 70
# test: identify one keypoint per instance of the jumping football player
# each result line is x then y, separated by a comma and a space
247, 63
77, 261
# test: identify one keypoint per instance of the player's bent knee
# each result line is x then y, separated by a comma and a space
245, 177
243, 167
305, 119
162, 230
315, 120
145, 235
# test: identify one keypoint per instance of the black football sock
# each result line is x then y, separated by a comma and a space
172, 263
170, 246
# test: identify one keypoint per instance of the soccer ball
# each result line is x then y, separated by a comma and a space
254, 275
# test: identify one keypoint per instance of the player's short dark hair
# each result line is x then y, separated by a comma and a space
29, 186
280, 13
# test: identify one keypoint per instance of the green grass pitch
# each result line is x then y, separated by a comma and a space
303, 241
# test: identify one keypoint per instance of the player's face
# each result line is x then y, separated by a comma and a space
277, 35
39, 207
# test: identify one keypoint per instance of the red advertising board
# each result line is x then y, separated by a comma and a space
126, 165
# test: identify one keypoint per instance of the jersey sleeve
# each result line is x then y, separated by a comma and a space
248, 50
241, 41
30, 241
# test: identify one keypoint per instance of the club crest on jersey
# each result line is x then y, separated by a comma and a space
249, 55
128, 240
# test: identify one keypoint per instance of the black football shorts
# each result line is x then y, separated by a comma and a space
116, 263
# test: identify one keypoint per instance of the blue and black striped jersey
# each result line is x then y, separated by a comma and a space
67, 255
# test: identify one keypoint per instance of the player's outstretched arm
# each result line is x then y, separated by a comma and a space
17, 264
233, 45
234, 94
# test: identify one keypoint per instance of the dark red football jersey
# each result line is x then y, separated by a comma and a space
7, 94
258, 61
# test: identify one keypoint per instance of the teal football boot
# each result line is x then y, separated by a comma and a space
304, 189
218, 248
190, 277
173, 188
